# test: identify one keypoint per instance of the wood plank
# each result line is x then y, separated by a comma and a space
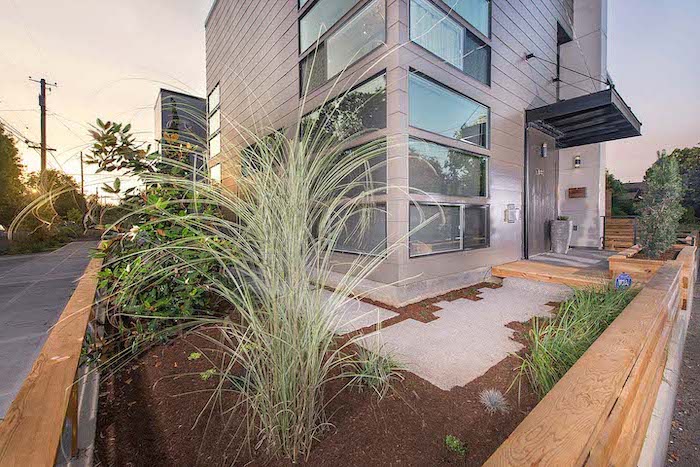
566, 423
543, 272
31, 430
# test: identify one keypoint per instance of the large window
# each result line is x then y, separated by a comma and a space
439, 170
215, 145
361, 34
476, 12
448, 228
321, 16
361, 109
435, 108
213, 99
215, 173
434, 30
364, 231
214, 123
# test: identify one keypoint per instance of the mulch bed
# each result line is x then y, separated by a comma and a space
147, 413
670, 254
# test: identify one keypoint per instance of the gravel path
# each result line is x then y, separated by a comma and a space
684, 446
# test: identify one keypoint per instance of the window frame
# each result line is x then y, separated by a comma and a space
356, 9
465, 31
462, 206
210, 113
415, 72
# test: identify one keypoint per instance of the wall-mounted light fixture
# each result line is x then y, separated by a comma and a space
543, 150
577, 162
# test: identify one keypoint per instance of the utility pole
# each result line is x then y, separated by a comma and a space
42, 105
82, 176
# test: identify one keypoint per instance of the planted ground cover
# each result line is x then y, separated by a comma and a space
555, 345
148, 416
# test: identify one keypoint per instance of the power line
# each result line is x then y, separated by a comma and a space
42, 105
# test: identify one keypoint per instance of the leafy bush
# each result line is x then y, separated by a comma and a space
556, 344
453, 444
660, 208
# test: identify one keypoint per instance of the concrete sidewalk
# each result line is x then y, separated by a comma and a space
34, 289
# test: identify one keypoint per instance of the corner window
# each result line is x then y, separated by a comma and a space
364, 232
439, 170
449, 228
361, 34
434, 30
361, 109
476, 12
321, 17
214, 121
433, 107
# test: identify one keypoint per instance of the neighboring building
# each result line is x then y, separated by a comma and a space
503, 95
181, 114
634, 190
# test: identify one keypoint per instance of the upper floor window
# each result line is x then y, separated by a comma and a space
213, 99
321, 17
436, 108
363, 108
434, 30
360, 35
215, 145
476, 12
214, 122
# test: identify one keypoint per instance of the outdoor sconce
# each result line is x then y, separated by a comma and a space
577, 162
543, 150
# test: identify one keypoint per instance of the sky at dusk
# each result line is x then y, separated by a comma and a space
110, 58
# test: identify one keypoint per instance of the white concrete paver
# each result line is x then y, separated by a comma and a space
354, 314
469, 337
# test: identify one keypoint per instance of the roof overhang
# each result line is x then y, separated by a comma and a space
593, 118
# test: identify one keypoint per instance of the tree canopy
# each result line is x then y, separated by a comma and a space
12, 189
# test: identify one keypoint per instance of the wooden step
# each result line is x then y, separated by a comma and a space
542, 272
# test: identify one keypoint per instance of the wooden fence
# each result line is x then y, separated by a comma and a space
31, 431
598, 413
619, 232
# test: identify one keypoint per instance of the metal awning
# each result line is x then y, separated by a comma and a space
593, 118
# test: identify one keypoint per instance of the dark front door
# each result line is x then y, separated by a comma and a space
542, 191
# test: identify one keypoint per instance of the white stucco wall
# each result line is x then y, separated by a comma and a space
587, 53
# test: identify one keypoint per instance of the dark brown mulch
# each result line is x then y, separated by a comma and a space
147, 415
670, 254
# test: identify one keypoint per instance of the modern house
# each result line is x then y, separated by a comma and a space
495, 110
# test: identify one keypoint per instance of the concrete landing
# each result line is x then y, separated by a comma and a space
469, 337
34, 289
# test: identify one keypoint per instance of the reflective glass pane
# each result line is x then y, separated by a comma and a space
476, 12
361, 109
437, 169
360, 35
213, 99
438, 109
364, 231
443, 233
476, 226
214, 122
215, 145
477, 58
215, 173
432, 29
321, 16
313, 69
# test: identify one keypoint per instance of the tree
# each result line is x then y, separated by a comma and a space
689, 167
660, 208
622, 205
55, 181
12, 189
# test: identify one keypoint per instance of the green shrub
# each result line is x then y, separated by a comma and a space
660, 208
453, 444
375, 370
555, 345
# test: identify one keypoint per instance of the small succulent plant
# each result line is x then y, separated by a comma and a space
454, 444
494, 401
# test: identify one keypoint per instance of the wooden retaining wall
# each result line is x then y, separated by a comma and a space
619, 232
598, 413
31, 430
